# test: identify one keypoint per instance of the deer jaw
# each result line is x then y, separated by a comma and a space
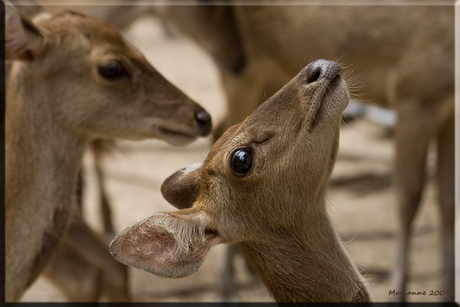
273, 207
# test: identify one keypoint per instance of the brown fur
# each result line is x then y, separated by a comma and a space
294, 139
56, 103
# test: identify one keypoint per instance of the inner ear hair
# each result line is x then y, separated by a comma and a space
165, 244
22, 37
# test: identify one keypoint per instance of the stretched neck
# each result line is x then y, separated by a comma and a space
42, 162
309, 265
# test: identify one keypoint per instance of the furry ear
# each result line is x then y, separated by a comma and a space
182, 188
22, 38
170, 245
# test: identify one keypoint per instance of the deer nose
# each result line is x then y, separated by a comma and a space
320, 69
204, 122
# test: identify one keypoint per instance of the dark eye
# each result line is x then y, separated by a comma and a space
241, 161
112, 70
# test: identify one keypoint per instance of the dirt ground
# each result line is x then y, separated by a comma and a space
361, 196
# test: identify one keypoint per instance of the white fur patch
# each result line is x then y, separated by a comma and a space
190, 168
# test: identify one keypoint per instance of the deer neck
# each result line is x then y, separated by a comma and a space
306, 265
42, 163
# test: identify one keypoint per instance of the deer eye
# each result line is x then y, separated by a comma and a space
112, 70
241, 161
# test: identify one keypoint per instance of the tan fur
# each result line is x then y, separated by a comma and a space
56, 103
276, 212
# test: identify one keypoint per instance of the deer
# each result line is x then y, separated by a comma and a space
257, 178
74, 79
388, 49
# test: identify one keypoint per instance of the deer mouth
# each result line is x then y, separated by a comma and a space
176, 137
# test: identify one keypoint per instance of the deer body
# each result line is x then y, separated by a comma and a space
74, 79
261, 187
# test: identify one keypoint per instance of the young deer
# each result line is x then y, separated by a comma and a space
74, 79
404, 55
262, 187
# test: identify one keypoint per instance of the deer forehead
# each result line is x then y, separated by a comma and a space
79, 31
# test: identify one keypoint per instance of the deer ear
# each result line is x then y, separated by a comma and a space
22, 38
182, 188
168, 245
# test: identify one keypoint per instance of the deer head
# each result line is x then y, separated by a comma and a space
95, 82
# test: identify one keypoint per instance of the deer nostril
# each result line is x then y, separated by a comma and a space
320, 69
314, 76
204, 122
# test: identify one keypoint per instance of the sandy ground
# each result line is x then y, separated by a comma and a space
361, 196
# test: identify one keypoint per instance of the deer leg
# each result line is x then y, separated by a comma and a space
228, 275
446, 161
83, 268
413, 132
92, 247
79, 190
77, 278
104, 201
100, 149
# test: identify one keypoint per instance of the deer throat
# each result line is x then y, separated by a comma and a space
316, 268
41, 176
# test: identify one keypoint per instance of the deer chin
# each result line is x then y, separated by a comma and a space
175, 137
